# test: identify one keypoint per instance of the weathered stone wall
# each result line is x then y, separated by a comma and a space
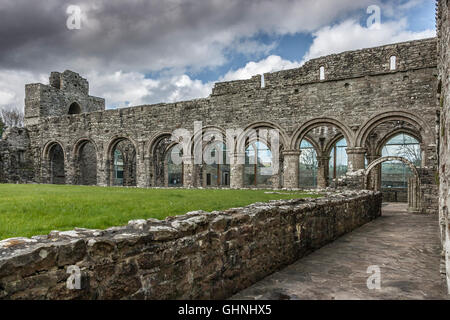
16, 164
443, 25
199, 255
359, 92
55, 99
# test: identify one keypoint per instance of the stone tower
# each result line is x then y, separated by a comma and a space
67, 93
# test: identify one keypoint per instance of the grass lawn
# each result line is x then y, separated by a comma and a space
27, 210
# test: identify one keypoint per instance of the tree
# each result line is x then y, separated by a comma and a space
1, 127
12, 117
411, 152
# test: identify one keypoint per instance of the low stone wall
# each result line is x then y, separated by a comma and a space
199, 255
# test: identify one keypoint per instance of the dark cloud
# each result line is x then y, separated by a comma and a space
145, 36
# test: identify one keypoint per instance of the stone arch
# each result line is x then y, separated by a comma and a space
129, 151
301, 131
414, 191
392, 134
331, 144
396, 115
157, 160
74, 108
179, 168
242, 139
85, 162
218, 173
54, 163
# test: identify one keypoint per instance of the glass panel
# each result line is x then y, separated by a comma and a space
341, 159
175, 170
308, 165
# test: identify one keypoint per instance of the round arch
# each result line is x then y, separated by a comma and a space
394, 133
74, 108
85, 170
109, 160
414, 192
302, 131
54, 170
243, 137
364, 131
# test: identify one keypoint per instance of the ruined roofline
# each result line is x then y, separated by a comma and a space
384, 46
308, 72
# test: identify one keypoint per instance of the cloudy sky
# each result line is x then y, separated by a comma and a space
140, 52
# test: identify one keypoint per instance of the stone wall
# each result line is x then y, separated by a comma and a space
358, 93
16, 164
199, 255
443, 26
64, 90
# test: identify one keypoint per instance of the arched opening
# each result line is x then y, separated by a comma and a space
329, 141
175, 166
56, 163
122, 163
216, 167
393, 63
75, 108
395, 174
86, 164
338, 164
308, 165
414, 190
258, 165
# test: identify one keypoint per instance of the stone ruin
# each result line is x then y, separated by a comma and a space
70, 138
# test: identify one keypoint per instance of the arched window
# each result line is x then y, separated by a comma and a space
216, 168
322, 73
393, 63
74, 108
338, 159
308, 165
258, 165
175, 166
395, 174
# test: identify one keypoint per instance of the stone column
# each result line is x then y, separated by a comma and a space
291, 166
356, 159
141, 170
237, 171
188, 172
323, 171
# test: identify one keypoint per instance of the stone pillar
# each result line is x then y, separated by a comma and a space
291, 166
237, 171
102, 170
141, 170
374, 178
188, 172
356, 159
323, 171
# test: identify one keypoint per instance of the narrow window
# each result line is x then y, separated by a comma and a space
262, 81
322, 73
393, 63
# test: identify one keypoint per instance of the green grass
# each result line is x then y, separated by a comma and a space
27, 210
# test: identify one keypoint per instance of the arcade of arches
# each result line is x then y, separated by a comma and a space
324, 154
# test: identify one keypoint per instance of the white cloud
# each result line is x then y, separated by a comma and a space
350, 35
12, 86
270, 64
125, 89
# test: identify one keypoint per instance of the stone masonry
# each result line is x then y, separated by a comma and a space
443, 24
199, 255
361, 99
